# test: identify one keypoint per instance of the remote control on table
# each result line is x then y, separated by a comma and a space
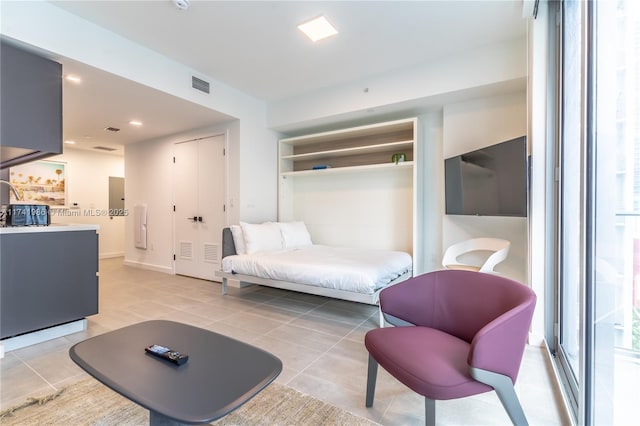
166, 353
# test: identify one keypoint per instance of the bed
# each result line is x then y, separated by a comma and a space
281, 255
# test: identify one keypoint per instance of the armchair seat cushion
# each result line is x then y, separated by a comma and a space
430, 362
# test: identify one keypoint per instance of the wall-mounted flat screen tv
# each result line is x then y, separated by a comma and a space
490, 181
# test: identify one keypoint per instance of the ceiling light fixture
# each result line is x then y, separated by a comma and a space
318, 28
73, 78
135, 123
70, 142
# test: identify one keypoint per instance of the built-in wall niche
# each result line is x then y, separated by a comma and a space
116, 196
363, 147
353, 186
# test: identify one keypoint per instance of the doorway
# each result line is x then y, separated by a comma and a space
199, 205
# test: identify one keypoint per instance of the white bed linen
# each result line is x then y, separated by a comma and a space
340, 268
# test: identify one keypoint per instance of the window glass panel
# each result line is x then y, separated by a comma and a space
616, 367
571, 222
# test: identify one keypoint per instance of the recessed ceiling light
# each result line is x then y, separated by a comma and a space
135, 123
318, 28
73, 78
70, 142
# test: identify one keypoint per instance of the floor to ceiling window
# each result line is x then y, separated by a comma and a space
598, 339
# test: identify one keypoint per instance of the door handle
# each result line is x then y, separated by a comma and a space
194, 218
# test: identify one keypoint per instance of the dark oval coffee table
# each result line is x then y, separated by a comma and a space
221, 374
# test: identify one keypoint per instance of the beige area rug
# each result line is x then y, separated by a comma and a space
91, 403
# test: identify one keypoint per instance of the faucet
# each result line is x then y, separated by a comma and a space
13, 188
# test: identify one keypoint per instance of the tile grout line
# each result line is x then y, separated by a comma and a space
325, 353
36, 372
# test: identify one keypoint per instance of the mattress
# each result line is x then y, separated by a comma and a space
341, 268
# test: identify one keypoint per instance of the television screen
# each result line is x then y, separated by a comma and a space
490, 181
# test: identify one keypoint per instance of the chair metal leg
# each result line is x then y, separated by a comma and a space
429, 412
372, 375
506, 392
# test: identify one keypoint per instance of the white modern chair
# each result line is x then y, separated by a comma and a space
499, 247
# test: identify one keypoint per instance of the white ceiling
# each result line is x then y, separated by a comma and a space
104, 100
256, 48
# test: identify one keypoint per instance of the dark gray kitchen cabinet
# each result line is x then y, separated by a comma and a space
31, 99
47, 279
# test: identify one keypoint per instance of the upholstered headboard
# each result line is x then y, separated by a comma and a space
228, 246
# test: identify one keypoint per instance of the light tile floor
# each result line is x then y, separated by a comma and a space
319, 340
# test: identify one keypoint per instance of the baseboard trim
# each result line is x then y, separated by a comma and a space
24, 340
111, 255
148, 266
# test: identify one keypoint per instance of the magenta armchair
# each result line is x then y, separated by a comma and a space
456, 334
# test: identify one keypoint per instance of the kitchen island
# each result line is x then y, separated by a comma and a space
48, 280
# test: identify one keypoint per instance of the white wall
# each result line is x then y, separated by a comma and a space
87, 181
430, 194
368, 209
148, 166
428, 84
475, 124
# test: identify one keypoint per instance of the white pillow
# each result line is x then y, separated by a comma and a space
238, 239
261, 237
294, 234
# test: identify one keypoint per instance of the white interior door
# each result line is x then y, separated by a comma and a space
185, 206
199, 194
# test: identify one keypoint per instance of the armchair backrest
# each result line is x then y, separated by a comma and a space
491, 312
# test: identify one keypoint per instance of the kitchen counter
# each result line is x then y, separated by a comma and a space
54, 227
48, 277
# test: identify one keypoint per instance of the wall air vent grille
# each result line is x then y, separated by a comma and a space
104, 148
211, 253
199, 84
186, 250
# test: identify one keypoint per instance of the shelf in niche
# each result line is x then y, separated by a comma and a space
350, 169
354, 150
354, 132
